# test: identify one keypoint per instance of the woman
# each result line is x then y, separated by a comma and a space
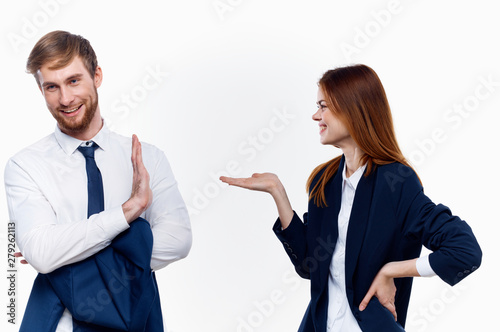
367, 217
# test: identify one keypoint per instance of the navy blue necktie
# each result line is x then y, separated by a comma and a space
95, 205
94, 181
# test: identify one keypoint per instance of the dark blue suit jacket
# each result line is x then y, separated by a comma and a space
391, 219
113, 290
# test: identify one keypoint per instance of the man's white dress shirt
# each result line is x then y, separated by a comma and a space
340, 317
46, 186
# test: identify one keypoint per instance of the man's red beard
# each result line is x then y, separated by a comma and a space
74, 126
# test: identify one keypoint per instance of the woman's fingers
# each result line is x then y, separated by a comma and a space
259, 181
239, 182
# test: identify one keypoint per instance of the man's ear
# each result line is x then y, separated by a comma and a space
98, 77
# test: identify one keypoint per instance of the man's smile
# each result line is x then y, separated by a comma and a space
72, 110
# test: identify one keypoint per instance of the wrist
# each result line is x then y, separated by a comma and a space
277, 190
390, 270
132, 209
400, 269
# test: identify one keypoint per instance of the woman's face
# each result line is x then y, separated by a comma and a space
331, 130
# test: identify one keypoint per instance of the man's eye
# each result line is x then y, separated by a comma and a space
74, 81
51, 87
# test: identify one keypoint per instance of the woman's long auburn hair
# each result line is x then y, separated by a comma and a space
355, 95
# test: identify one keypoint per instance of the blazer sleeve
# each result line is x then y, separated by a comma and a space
455, 250
294, 241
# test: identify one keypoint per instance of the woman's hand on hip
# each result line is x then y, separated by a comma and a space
383, 286
384, 289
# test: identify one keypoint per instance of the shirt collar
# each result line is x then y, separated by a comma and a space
354, 179
70, 144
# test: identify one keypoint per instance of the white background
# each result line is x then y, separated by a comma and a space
222, 76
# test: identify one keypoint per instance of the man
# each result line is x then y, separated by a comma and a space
51, 188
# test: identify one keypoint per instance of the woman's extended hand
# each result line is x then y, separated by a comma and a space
269, 183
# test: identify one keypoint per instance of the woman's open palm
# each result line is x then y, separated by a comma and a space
267, 182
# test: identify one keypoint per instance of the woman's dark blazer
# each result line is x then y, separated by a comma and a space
391, 219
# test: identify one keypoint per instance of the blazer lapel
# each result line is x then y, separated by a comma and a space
358, 222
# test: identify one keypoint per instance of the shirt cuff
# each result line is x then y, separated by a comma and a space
424, 267
113, 222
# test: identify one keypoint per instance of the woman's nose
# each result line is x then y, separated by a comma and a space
317, 115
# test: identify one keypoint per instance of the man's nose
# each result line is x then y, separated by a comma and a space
65, 96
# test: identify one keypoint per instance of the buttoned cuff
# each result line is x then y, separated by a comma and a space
424, 267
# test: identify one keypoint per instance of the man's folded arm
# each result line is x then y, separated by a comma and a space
45, 243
